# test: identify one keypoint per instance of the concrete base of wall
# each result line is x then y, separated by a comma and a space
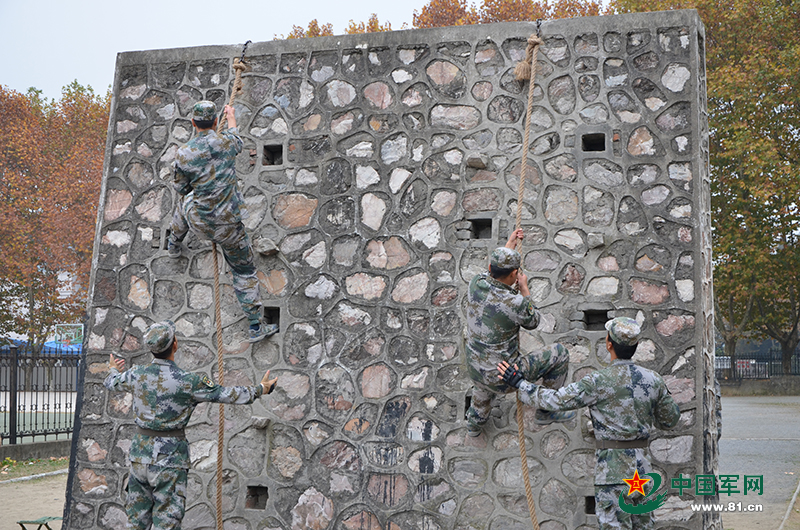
57, 448
788, 385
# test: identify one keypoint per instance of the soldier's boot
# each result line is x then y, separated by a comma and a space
174, 249
546, 417
262, 331
474, 430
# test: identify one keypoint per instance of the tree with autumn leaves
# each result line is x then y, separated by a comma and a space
438, 13
51, 163
458, 12
373, 25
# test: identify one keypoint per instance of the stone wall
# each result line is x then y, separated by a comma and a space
385, 167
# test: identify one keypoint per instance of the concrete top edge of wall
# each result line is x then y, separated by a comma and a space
392, 38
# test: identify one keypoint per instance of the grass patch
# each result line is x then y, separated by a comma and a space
13, 469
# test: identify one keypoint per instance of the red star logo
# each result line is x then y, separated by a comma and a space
635, 483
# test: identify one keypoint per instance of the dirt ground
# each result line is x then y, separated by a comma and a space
32, 499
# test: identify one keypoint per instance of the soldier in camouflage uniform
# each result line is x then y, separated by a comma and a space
205, 178
164, 397
626, 402
495, 312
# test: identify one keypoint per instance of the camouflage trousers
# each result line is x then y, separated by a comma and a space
156, 495
551, 365
609, 514
236, 248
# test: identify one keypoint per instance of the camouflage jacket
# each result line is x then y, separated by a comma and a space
164, 397
495, 312
206, 168
625, 401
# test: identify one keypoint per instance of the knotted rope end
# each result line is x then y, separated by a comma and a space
523, 69
239, 65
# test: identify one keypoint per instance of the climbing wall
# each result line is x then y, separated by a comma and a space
384, 168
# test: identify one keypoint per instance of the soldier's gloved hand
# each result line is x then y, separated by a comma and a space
267, 384
511, 376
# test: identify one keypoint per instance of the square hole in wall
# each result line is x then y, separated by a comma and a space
467, 404
272, 315
593, 142
589, 505
595, 319
481, 228
166, 238
273, 155
256, 498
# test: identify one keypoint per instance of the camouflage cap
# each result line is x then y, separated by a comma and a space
624, 331
505, 258
159, 336
204, 111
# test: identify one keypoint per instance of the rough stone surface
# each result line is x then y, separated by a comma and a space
673, 450
313, 511
379, 171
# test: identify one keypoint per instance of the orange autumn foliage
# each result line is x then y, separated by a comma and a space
458, 12
314, 29
373, 25
51, 165
439, 13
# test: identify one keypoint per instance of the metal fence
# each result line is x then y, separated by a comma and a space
755, 366
37, 394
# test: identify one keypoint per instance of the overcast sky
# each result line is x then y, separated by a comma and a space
49, 43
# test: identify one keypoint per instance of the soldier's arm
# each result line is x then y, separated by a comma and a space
119, 379
203, 389
232, 133
667, 412
236, 140
526, 313
180, 180
583, 393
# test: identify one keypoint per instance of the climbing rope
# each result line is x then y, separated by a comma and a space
523, 456
526, 69
239, 67
221, 380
